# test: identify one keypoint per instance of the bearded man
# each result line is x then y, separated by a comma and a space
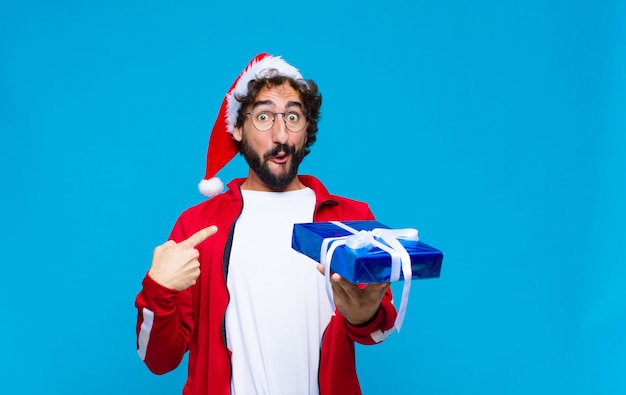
227, 287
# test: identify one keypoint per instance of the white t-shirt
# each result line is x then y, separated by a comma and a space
278, 307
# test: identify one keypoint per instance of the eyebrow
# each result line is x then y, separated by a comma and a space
291, 103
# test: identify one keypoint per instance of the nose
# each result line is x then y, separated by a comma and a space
280, 134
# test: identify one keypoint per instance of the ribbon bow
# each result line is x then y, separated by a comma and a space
400, 258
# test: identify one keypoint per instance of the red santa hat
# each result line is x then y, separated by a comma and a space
222, 147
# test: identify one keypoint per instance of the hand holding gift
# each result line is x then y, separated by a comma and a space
356, 304
366, 252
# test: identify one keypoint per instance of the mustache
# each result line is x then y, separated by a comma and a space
285, 148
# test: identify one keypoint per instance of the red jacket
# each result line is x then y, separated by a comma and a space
170, 323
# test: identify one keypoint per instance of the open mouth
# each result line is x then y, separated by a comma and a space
280, 159
280, 154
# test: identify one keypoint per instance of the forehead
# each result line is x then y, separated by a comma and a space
279, 94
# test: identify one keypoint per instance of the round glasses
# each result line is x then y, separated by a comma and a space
263, 120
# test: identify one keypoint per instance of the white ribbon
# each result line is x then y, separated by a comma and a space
400, 258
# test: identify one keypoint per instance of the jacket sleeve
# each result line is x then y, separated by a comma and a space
164, 321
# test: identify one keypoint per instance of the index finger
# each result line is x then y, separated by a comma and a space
201, 235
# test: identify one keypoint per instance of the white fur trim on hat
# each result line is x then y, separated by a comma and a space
261, 69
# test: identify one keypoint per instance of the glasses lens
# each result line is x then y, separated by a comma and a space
295, 121
263, 120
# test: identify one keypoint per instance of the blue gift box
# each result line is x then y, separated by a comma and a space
364, 265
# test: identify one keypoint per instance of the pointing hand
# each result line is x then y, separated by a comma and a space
176, 265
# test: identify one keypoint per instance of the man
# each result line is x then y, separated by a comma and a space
228, 288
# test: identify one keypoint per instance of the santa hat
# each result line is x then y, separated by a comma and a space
222, 147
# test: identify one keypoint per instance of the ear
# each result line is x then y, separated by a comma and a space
238, 133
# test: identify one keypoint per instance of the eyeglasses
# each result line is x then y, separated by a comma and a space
295, 120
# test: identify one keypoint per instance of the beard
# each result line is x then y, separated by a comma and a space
260, 166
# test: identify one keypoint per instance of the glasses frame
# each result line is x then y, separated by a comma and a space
274, 114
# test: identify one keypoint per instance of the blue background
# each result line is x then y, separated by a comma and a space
495, 128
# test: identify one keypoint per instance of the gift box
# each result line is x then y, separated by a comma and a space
364, 252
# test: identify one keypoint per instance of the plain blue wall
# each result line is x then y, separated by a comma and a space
495, 128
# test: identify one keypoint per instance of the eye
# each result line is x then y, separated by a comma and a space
264, 116
292, 117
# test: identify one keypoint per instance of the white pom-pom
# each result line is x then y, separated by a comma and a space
211, 187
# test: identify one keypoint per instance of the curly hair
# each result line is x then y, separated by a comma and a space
309, 93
